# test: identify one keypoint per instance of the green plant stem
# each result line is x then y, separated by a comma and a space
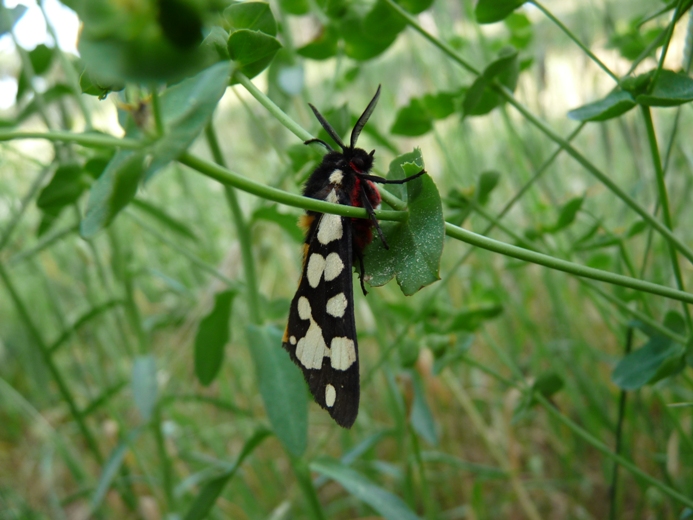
90, 140
243, 233
604, 449
166, 467
665, 48
273, 109
544, 128
613, 489
575, 40
156, 111
25, 316
563, 265
236, 180
664, 202
429, 503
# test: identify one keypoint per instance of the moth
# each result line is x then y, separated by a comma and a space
321, 334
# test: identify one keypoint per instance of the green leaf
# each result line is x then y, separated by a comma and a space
416, 244
212, 336
180, 22
660, 357
41, 58
548, 384
451, 354
9, 17
471, 318
382, 23
480, 98
64, 188
209, 494
616, 103
363, 44
671, 89
488, 180
215, 45
415, 6
177, 226
282, 388
144, 385
389, 506
412, 120
421, 417
632, 42
490, 11
112, 191
521, 32
567, 214
287, 222
185, 109
441, 104
296, 7
252, 51
256, 16
636, 228
323, 46
99, 88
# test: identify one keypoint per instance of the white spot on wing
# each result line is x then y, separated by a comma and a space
333, 266
292, 340
336, 177
330, 395
332, 197
316, 266
343, 353
311, 348
304, 308
337, 305
330, 228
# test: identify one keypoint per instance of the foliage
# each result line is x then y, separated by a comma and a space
130, 259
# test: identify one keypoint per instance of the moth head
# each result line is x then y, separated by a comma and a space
360, 161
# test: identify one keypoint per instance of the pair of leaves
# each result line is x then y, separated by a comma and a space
658, 358
185, 109
416, 244
566, 216
671, 89
252, 44
480, 98
417, 118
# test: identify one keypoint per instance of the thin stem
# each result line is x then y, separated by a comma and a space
563, 265
577, 42
619, 434
599, 445
90, 140
236, 180
665, 48
156, 110
664, 202
243, 233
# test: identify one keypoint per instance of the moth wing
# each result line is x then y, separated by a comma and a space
321, 334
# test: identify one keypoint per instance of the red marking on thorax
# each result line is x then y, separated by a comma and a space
363, 234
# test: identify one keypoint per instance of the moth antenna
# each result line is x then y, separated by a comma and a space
372, 153
364, 118
320, 141
328, 128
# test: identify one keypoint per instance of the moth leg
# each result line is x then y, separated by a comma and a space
359, 256
382, 180
371, 214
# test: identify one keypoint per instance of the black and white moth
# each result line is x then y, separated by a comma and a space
321, 334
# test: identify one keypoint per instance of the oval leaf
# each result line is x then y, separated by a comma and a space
671, 89
185, 109
211, 338
416, 244
112, 191
282, 388
658, 358
252, 51
256, 16
385, 503
490, 11
412, 120
613, 105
